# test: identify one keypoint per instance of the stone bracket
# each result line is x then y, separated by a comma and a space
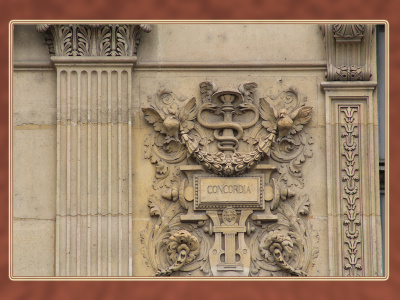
348, 48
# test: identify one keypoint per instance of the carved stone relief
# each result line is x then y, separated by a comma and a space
348, 51
352, 229
93, 40
227, 197
94, 204
353, 193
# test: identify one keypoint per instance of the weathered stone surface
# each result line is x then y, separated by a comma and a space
33, 247
33, 193
218, 151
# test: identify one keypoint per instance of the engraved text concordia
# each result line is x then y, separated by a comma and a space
228, 189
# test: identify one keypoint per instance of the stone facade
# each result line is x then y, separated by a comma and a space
195, 150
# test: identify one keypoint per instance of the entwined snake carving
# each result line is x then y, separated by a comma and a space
227, 141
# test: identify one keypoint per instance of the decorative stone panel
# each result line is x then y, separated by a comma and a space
196, 161
352, 179
225, 167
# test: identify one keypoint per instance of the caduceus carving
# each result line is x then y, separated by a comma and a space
227, 162
230, 104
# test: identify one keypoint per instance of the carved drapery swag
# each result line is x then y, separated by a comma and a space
227, 195
93, 40
348, 51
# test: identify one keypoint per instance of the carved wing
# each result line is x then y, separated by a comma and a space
268, 114
187, 114
153, 117
300, 117
267, 111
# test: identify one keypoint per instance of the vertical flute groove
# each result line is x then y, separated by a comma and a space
68, 172
130, 173
58, 246
89, 212
109, 142
119, 177
99, 195
78, 189
94, 238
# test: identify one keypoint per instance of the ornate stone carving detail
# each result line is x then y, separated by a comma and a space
352, 73
280, 247
173, 248
229, 134
348, 51
288, 247
93, 40
348, 31
293, 146
352, 230
182, 248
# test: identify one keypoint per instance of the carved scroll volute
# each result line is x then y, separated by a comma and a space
348, 49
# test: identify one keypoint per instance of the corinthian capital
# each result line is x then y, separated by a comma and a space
93, 39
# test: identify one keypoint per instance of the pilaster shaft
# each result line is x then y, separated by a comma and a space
352, 185
94, 66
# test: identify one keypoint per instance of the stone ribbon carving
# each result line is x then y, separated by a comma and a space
209, 168
93, 39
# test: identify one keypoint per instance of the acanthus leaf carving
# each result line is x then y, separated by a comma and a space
93, 39
279, 246
348, 31
182, 248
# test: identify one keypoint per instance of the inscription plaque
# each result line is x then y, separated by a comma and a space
238, 192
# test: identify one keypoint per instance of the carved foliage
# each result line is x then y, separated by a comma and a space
352, 231
288, 247
279, 246
293, 145
184, 134
348, 30
92, 40
172, 248
182, 248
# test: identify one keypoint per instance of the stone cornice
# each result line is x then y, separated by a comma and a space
93, 39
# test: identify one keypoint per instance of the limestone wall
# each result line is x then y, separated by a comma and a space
84, 177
